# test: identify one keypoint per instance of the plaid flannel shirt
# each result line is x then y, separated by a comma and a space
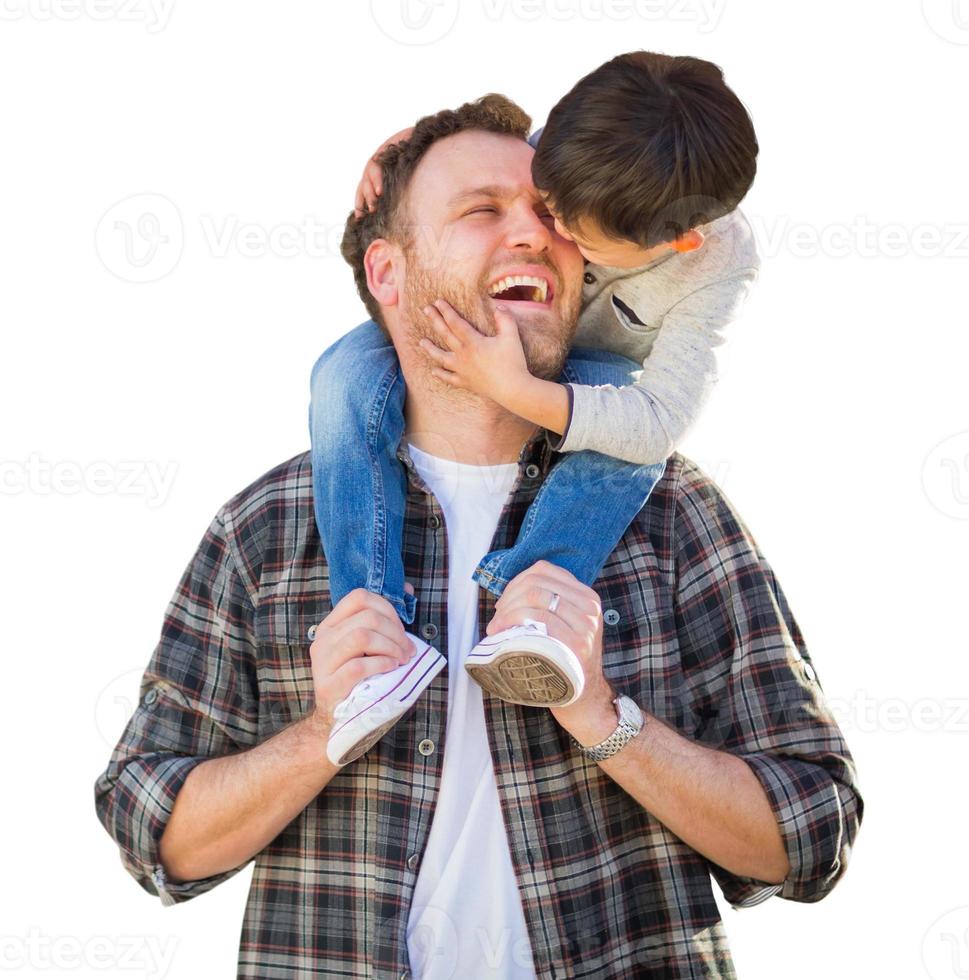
697, 631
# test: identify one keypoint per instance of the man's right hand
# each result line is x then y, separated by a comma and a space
371, 183
363, 635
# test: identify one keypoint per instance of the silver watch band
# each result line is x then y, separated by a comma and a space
631, 721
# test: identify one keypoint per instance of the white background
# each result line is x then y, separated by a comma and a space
840, 428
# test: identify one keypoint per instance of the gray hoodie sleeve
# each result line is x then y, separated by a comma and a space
644, 422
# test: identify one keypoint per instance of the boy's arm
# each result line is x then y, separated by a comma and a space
644, 422
641, 423
371, 183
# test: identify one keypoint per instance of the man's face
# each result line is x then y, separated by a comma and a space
481, 236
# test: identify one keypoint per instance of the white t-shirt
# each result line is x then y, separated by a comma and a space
466, 920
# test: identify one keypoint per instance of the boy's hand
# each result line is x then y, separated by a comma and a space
371, 183
466, 358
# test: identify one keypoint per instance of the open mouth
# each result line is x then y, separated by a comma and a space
518, 289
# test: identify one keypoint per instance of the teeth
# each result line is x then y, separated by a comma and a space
540, 284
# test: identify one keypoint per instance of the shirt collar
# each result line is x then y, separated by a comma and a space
534, 460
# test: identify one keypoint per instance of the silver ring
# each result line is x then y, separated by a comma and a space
554, 602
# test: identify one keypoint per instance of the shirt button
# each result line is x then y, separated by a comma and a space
151, 697
531, 471
611, 617
405, 975
311, 633
426, 746
589, 278
809, 672
435, 521
428, 631
413, 861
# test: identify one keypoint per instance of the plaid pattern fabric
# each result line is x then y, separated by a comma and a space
697, 631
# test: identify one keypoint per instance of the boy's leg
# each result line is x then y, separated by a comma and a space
359, 486
587, 500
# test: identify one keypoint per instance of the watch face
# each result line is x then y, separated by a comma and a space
629, 711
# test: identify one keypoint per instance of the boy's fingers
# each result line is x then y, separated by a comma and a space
504, 319
456, 323
449, 376
440, 325
442, 357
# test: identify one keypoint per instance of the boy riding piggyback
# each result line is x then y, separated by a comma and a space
642, 164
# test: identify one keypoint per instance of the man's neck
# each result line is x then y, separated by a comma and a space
464, 428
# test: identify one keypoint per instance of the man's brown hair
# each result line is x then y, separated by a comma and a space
492, 113
645, 148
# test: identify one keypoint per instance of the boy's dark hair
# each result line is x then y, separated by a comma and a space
492, 113
645, 148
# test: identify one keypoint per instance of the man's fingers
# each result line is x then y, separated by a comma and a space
356, 601
363, 641
537, 590
344, 680
562, 624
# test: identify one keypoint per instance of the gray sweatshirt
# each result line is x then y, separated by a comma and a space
670, 316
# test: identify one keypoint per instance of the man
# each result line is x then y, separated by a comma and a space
555, 865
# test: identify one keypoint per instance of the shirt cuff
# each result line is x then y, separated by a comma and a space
557, 444
143, 799
812, 818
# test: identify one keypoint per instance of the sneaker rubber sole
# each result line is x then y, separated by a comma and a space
520, 669
353, 736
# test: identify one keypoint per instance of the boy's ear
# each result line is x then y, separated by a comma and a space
381, 265
689, 241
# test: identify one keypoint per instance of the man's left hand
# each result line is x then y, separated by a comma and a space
577, 622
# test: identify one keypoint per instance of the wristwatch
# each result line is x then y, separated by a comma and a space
631, 722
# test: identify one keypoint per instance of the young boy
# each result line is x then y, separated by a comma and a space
642, 165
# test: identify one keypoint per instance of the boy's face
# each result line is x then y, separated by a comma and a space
601, 250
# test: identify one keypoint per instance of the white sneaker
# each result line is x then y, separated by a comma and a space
524, 665
376, 704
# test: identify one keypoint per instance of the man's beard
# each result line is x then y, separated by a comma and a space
546, 335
